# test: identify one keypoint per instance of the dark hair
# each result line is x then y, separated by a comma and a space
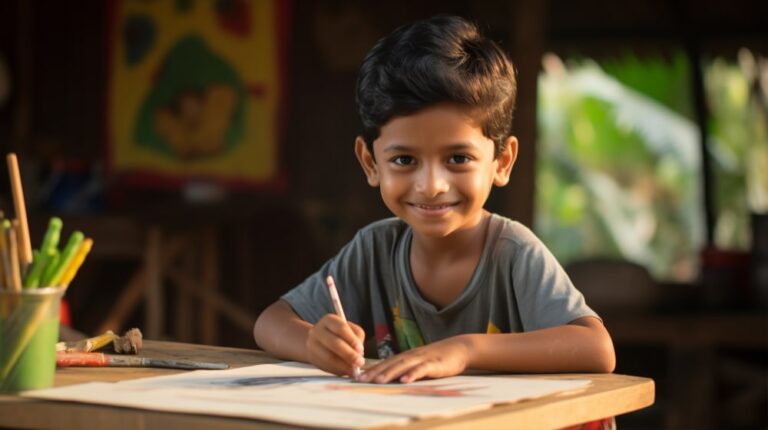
441, 59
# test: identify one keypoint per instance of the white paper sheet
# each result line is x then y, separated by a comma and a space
299, 394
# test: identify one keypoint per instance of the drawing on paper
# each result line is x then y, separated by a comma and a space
323, 382
275, 381
405, 389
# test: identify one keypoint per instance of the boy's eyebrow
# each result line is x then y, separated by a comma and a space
461, 146
398, 147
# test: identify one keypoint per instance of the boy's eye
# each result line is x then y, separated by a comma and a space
403, 160
458, 159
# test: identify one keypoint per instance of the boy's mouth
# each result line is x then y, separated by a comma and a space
433, 209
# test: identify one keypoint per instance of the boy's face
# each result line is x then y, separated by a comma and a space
435, 168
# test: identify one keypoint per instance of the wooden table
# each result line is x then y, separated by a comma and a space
609, 395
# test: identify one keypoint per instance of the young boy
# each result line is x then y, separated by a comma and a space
445, 286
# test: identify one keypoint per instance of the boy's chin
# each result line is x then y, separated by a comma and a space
439, 228
433, 230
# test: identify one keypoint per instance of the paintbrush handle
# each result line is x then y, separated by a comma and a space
127, 360
98, 359
81, 359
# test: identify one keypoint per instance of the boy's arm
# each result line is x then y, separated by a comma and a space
281, 332
584, 345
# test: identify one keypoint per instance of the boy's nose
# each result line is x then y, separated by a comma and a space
431, 181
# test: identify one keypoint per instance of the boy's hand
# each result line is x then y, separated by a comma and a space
336, 346
447, 357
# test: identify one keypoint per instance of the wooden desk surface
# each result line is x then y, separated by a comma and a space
609, 395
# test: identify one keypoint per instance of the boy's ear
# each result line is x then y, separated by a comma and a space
505, 161
367, 162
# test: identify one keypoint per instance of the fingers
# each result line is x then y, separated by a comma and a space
334, 346
420, 371
327, 360
350, 335
403, 368
437, 360
359, 333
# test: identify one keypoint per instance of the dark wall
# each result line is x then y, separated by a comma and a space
57, 55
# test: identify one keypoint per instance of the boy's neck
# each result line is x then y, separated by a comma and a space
442, 267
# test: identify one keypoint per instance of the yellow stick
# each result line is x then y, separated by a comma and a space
2, 266
17, 226
77, 261
25, 253
7, 279
14, 257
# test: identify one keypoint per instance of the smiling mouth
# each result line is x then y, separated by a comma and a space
433, 207
433, 210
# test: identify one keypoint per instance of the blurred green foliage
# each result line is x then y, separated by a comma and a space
737, 101
619, 161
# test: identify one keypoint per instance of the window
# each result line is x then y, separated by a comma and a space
619, 168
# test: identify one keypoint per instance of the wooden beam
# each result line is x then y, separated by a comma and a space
527, 35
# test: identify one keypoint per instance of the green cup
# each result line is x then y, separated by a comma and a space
29, 330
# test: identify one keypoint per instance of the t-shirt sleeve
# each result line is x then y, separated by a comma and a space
545, 295
311, 300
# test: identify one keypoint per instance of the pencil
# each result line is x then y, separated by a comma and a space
340, 313
25, 250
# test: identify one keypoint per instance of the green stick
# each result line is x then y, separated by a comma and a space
73, 244
37, 271
43, 257
52, 235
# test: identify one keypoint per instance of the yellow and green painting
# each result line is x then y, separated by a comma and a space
195, 90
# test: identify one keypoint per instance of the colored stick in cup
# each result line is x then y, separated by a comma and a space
25, 253
51, 279
77, 261
11, 247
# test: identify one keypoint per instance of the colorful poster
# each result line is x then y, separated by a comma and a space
195, 90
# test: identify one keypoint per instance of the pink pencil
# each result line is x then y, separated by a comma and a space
340, 313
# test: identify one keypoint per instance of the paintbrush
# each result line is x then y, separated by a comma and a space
98, 359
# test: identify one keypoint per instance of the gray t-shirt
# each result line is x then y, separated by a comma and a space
518, 285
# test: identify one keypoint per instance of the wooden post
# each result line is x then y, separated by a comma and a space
154, 304
210, 282
183, 309
527, 37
